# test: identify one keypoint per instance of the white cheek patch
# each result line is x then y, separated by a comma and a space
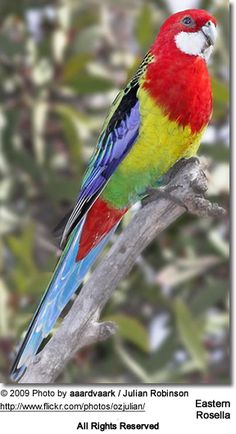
191, 43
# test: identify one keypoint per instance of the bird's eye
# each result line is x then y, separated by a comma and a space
187, 21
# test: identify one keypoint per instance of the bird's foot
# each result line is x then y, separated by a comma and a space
167, 192
186, 185
179, 165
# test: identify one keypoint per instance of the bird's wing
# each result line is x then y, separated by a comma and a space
118, 135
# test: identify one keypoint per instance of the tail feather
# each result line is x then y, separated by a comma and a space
67, 277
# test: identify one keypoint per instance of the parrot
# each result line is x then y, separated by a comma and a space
156, 120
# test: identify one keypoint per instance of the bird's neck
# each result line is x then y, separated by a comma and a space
180, 85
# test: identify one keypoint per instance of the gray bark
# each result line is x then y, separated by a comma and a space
184, 191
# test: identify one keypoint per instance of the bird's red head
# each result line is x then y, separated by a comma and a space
192, 32
177, 77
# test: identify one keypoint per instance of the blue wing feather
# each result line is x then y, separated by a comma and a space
113, 145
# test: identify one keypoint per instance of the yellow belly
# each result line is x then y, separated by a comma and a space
160, 144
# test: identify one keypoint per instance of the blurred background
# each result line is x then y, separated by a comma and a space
61, 65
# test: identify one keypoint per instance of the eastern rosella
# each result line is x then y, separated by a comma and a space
156, 120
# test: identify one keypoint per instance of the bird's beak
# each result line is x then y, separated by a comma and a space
210, 33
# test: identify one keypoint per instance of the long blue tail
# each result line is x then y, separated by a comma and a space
66, 279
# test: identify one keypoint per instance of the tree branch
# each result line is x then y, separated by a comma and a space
185, 188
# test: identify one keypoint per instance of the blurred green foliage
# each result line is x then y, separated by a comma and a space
61, 64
